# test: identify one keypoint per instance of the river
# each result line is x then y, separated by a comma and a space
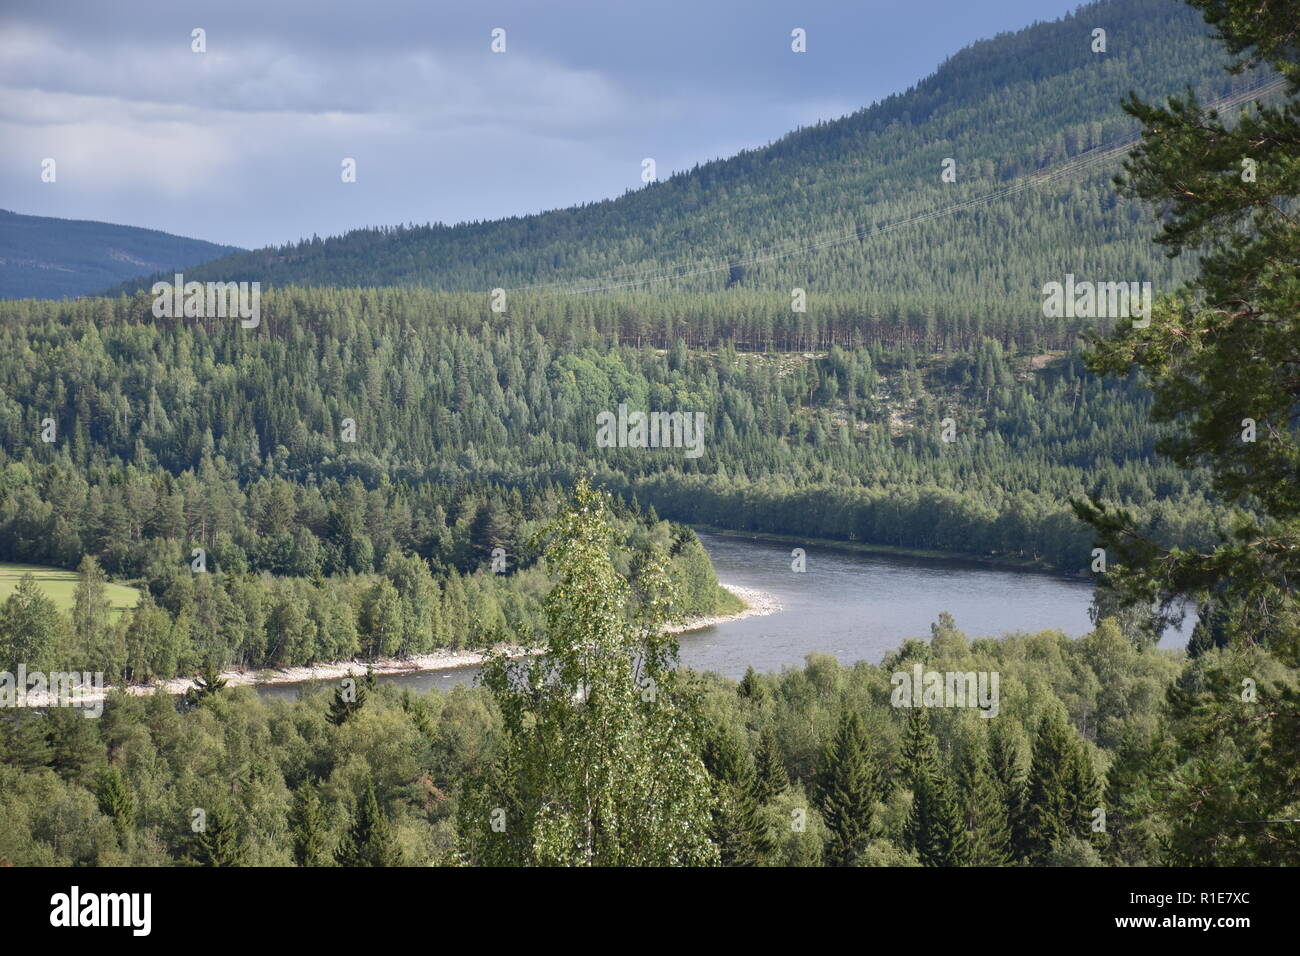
852, 605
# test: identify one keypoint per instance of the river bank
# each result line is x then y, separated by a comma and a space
756, 604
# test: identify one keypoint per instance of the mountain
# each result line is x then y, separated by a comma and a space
47, 258
829, 208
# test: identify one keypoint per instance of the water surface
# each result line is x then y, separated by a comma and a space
851, 605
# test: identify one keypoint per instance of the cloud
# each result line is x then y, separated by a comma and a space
243, 143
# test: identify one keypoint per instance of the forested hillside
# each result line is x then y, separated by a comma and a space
376, 470
824, 208
844, 443
813, 766
46, 258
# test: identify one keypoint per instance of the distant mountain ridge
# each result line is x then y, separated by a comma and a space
48, 258
1002, 109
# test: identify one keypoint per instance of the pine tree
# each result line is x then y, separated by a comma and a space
370, 840
985, 810
847, 786
116, 799
1219, 352
1050, 804
350, 698
308, 828
90, 616
220, 841
1131, 800
739, 827
1004, 763
772, 778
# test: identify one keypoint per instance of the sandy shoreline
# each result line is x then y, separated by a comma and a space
757, 604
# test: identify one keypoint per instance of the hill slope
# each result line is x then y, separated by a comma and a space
821, 208
48, 258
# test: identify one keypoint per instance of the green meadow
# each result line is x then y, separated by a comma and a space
60, 586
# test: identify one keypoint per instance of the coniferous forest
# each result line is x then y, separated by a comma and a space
401, 458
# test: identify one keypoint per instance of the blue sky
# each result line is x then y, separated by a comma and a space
243, 143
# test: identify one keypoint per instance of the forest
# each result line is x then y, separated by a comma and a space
842, 206
171, 436
812, 766
845, 442
379, 469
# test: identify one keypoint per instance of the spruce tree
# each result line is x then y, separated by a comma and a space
308, 828
116, 799
1049, 803
750, 686
769, 766
370, 840
1004, 763
1085, 793
935, 827
847, 786
985, 810
350, 699
920, 754
220, 842
739, 828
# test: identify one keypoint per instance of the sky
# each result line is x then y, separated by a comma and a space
244, 143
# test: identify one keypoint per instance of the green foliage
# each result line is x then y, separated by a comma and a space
220, 840
117, 802
935, 830
350, 698
1188, 774
771, 778
847, 787
370, 841
740, 828
31, 628
601, 748
1221, 354
179, 435
821, 208
1061, 790
309, 828
984, 809
1221, 358
207, 684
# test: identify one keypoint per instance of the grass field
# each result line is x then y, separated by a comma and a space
60, 586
